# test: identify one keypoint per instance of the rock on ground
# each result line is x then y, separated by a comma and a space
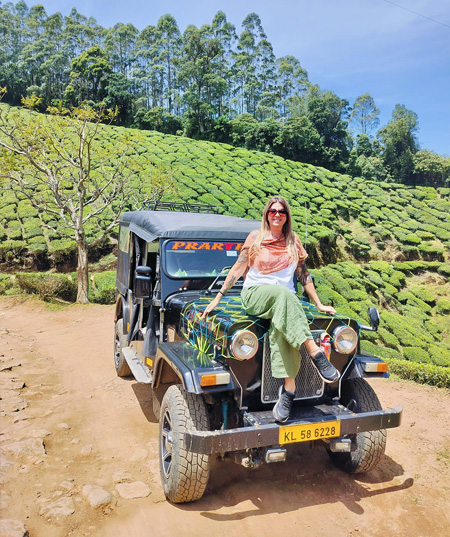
96, 496
61, 508
30, 446
12, 528
129, 491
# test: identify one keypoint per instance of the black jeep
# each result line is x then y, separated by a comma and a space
211, 380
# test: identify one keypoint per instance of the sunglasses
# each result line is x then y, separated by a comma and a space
273, 212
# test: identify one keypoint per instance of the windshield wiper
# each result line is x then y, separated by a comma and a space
220, 275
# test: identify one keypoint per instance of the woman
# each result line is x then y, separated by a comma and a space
270, 256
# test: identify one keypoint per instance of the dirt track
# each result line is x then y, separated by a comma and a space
100, 430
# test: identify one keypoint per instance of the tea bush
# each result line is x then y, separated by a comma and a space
443, 306
47, 285
415, 354
103, 287
421, 373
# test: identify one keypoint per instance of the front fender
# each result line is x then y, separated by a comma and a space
357, 367
188, 366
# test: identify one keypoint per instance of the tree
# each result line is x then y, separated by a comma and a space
169, 51
328, 113
89, 76
118, 95
299, 140
241, 127
267, 75
148, 71
120, 43
246, 64
365, 114
225, 33
202, 82
399, 142
431, 169
59, 165
292, 82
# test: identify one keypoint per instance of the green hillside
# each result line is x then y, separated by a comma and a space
370, 243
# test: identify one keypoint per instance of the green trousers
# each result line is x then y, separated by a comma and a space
289, 327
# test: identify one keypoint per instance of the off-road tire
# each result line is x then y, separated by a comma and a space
184, 474
120, 340
371, 444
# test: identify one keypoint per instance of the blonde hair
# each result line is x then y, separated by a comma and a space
289, 235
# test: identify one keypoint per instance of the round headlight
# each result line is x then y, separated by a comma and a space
345, 340
244, 345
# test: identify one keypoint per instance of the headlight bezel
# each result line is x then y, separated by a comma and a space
337, 336
235, 342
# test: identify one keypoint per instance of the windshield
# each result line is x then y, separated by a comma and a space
199, 259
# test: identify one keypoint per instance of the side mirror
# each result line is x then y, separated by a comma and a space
374, 317
143, 282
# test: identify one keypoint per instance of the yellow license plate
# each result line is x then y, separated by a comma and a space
307, 432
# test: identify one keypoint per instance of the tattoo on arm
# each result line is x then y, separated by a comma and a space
243, 257
303, 276
229, 284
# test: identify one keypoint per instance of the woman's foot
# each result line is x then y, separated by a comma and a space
325, 368
283, 406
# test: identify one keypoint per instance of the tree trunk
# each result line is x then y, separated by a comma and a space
83, 274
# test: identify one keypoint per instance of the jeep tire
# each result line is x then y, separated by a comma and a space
184, 474
122, 368
371, 444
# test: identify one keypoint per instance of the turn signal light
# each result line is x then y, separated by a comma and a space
376, 367
215, 379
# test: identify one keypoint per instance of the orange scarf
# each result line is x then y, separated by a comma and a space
273, 254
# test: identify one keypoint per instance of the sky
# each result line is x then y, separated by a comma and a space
397, 51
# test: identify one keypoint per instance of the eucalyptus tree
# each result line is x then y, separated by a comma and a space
32, 52
81, 33
120, 42
267, 76
225, 33
201, 79
46, 57
292, 84
148, 71
365, 114
12, 36
246, 64
169, 51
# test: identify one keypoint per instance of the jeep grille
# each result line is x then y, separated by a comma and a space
308, 383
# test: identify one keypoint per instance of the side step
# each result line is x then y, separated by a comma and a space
140, 371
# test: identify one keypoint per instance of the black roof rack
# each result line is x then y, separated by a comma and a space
181, 207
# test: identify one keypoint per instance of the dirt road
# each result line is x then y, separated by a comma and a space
79, 452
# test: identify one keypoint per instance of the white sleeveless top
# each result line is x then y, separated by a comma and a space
282, 277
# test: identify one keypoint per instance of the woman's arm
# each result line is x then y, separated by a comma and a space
305, 279
236, 271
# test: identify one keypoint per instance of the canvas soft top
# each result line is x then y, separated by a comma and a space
152, 225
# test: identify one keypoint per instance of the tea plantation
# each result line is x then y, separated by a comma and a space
379, 244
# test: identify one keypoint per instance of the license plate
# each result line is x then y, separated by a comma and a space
307, 432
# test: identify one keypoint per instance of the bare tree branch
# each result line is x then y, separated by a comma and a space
60, 167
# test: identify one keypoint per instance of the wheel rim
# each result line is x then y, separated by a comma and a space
166, 444
117, 349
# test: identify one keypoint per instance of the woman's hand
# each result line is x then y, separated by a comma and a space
326, 309
211, 305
